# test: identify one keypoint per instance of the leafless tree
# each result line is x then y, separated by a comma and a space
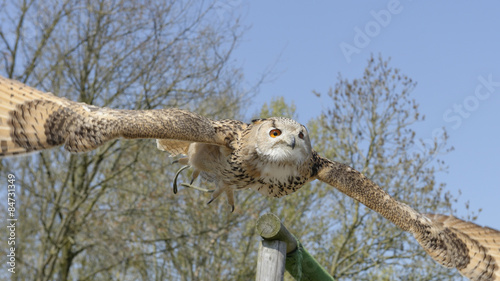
110, 214
369, 126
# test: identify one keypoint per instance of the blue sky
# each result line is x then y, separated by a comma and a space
451, 48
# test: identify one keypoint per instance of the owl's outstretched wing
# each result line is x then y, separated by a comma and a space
31, 120
454, 243
483, 245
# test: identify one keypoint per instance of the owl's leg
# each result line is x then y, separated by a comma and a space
197, 187
184, 161
230, 197
229, 193
218, 191
195, 175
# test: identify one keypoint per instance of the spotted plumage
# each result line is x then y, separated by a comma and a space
273, 156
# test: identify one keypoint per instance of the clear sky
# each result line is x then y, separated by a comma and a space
451, 48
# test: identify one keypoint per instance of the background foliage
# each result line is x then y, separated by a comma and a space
110, 214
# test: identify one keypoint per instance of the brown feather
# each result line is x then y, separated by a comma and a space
174, 147
23, 114
483, 247
31, 120
454, 243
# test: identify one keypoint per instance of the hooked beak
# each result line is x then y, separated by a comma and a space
292, 143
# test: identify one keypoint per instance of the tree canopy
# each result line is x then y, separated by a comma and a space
110, 214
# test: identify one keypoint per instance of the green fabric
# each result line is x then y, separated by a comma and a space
303, 267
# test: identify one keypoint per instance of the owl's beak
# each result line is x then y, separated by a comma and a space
292, 143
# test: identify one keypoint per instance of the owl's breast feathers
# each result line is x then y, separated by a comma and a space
270, 178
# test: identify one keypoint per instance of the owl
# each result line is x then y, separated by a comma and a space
272, 156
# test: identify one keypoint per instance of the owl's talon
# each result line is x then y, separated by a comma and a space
230, 198
211, 200
183, 161
229, 193
177, 175
196, 173
197, 187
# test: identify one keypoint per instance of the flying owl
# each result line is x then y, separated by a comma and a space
273, 156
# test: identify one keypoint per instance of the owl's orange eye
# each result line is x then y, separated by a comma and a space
274, 133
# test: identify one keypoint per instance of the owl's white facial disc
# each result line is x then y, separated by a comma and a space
283, 140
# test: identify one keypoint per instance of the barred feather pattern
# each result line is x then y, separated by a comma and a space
31, 120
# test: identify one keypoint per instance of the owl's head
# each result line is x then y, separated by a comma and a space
280, 139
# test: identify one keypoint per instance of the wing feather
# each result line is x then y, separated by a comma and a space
472, 249
31, 120
174, 147
483, 247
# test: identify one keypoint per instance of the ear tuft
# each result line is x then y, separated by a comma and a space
258, 121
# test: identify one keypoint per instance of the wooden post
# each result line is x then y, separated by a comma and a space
271, 261
280, 246
270, 227
278, 241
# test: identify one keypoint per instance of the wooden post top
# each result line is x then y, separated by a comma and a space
270, 227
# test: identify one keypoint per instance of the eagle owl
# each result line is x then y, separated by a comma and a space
273, 156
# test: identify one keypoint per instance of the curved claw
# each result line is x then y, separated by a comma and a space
196, 173
229, 193
177, 175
